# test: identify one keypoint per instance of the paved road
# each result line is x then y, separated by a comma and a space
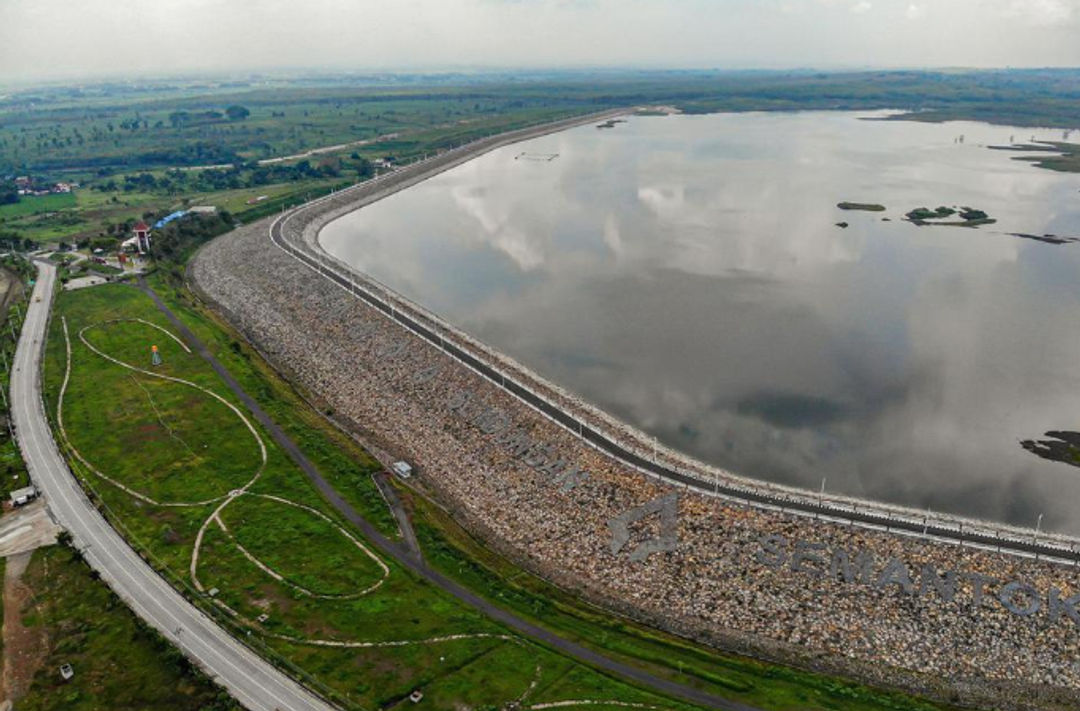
406, 558
408, 533
253, 681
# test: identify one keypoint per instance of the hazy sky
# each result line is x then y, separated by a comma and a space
41, 39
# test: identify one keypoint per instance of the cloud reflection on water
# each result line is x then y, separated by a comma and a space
686, 274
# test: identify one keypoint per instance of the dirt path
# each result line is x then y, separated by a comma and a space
24, 648
382, 480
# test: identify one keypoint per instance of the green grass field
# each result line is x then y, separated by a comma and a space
36, 204
119, 662
171, 425
12, 468
269, 529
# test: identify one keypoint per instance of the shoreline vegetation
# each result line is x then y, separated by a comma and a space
1064, 157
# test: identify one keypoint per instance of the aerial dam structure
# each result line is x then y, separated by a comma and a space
955, 609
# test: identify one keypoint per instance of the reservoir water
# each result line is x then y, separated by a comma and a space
686, 274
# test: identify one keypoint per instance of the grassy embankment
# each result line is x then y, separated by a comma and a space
173, 444
119, 662
12, 468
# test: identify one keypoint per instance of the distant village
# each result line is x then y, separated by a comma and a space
25, 187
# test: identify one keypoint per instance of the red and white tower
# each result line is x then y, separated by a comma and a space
142, 236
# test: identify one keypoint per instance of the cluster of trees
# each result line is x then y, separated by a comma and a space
187, 153
245, 175
180, 119
9, 239
178, 239
9, 194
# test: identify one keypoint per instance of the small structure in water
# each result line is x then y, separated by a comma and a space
540, 157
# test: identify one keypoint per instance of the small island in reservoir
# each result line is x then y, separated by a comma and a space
969, 217
867, 206
1061, 446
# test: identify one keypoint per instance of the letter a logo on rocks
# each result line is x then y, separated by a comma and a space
668, 508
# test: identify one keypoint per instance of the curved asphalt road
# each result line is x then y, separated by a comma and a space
253, 681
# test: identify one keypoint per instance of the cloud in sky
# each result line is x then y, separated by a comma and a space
91, 37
